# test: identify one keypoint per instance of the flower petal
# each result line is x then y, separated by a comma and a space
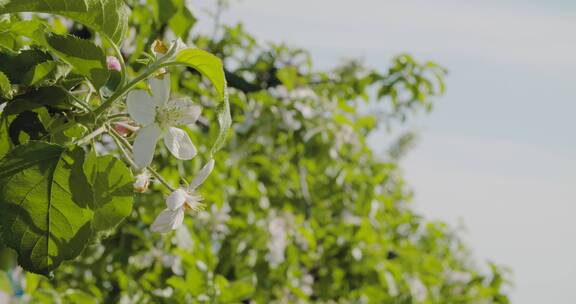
179, 144
168, 220
160, 89
176, 199
160, 50
202, 175
145, 144
178, 45
141, 107
190, 111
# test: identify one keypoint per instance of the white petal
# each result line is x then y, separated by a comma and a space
176, 199
168, 220
160, 89
178, 45
179, 144
190, 111
172, 50
202, 175
145, 144
141, 107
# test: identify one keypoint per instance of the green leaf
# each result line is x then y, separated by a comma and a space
46, 74
33, 29
234, 292
182, 22
289, 76
109, 17
112, 190
5, 143
41, 215
54, 97
207, 64
86, 57
164, 10
211, 67
16, 66
7, 43
5, 87
25, 126
224, 121
78, 297
75, 132
5, 284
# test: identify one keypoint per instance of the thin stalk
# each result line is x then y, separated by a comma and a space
119, 115
79, 92
126, 126
118, 94
125, 89
161, 179
81, 102
88, 96
91, 136
120, 58
121, 141
121, 138
123, 151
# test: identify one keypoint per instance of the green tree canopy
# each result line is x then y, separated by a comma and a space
298, 208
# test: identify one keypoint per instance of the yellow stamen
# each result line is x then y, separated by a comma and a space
160, 47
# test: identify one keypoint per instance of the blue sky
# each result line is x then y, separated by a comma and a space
499, 152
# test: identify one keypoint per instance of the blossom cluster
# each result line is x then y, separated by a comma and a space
160, 118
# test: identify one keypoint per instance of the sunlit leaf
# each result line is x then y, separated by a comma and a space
87, 58
5, 87
45, 74
16, 66
111, 190
41, 216
211, 67
109, 17
207, 64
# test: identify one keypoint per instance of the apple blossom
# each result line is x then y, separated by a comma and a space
159, 117
181, 200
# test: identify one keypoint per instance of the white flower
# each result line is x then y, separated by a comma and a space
181, 200
417, 289
307, 284
357, 253
142, 182
391, 282
277, 242
160, 50
4, 297
159, 116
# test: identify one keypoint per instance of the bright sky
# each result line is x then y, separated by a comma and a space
499, 152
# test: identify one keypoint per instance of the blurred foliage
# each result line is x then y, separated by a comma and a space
300, 209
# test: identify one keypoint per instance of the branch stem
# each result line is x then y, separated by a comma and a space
90, 136
125, 145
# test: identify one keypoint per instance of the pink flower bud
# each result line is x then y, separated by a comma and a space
113, 64
122, 129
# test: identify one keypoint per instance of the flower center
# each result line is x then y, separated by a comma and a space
193, 203
167, 116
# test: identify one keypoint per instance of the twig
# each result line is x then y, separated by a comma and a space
90, 136
124, 144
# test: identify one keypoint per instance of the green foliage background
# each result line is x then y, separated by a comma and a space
299, 207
